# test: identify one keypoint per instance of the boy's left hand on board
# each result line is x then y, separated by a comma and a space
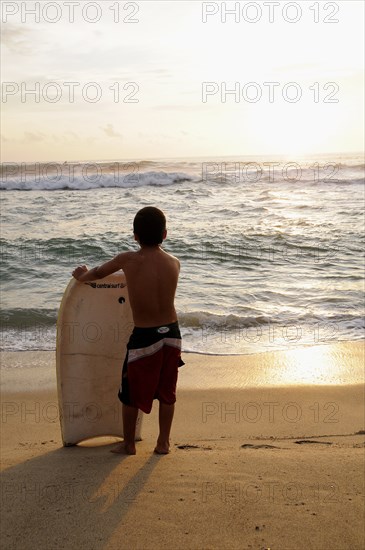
80, 270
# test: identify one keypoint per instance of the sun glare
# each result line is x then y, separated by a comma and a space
313, 365
294, 129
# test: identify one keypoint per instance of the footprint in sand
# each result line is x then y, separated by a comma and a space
301, 441
194, 447
250, 446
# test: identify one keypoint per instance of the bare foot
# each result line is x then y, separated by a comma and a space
124, 448
162, 448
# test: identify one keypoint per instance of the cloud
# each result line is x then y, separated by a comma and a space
110, 132
30, 136
17, 39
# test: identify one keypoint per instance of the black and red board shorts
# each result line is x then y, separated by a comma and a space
150, 367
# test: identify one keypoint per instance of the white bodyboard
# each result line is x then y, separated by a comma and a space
93, 327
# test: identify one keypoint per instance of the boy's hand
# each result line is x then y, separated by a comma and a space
79, 271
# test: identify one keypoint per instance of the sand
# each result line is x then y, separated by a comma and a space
257, 465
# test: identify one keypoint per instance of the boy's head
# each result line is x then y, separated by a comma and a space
149, 226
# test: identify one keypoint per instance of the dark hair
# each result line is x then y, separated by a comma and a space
149, 225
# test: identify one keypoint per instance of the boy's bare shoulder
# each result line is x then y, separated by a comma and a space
132, 257
129, 255
125, 258
173, 258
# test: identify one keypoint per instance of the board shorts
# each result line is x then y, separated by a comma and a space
150, 367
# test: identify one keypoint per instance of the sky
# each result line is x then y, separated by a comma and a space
151, 79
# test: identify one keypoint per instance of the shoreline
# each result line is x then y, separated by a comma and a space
213, 354
340, 364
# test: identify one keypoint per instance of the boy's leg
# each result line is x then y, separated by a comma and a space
129, 425
166, 414
129, 430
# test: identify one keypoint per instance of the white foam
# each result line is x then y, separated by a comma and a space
83, 182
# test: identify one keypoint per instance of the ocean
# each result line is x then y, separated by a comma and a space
271, 248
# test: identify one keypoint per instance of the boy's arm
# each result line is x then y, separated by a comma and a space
83, 275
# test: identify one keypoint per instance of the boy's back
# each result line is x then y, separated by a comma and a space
152, 277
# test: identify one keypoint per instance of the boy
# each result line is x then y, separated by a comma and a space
153, 352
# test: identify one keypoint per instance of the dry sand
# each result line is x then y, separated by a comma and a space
236, 478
